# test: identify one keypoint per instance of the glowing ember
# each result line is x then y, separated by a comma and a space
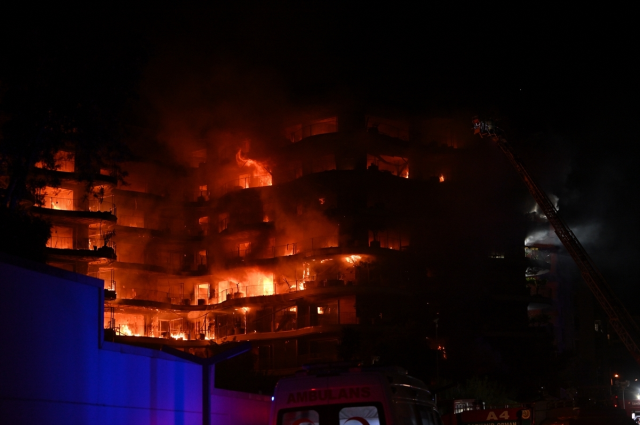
444, 352
441, 178
178, 335
126, 330
352, 259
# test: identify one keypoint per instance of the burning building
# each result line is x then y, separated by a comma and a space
354, 227
82, 221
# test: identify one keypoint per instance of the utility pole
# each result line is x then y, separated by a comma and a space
436, 320
623, 385
437, 348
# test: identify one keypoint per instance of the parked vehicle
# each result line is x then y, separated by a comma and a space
342, 395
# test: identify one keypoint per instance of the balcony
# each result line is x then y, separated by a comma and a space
173, 263
77, 210
246, 182
199, 196
65, 171
395, 165
248, 251
90, 243
81, 249
237, 294
301, 131
376, 125
393, 241
107, 204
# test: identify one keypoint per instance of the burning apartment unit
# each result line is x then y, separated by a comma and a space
344, 228
83, 220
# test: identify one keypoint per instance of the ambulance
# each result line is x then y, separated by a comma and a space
334, 395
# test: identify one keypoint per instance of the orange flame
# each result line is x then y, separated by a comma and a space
444, 352
441, 178
261, 175
126, 330
256, 283
352, 259
178, 335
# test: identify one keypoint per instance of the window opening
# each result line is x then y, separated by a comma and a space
204, 225
223, 222
301, 417
55, 198
61, 238
364, 415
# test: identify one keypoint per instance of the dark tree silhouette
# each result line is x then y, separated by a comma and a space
65, 85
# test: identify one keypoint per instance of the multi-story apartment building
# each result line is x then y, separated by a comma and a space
353, 226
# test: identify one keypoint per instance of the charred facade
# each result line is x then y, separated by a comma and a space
344, 241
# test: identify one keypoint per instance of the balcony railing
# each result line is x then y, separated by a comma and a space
246, 183
387, 129
285, 250
69, 242
171, 296
243, 292
326, 163
70, 204
196, 195
146, 294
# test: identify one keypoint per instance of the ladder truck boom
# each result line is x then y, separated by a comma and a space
619, 318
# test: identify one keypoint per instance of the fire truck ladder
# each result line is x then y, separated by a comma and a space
619, 318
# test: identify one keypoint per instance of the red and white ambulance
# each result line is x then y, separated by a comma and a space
353, 396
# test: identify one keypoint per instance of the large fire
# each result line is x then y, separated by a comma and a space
129, 331
234, 284
352, 259
254, 283
306, 276
260, 174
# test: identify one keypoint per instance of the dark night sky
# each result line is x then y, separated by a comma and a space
563, 82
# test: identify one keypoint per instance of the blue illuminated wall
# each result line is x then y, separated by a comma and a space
56, 369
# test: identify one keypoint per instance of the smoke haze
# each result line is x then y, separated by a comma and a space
227, 77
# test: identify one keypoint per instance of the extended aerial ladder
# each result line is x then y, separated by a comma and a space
619, 318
